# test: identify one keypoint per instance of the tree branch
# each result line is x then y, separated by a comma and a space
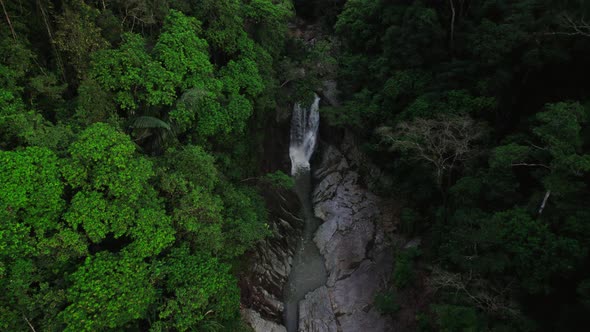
29, 323
532, 165
51, 41
577, 28
547, 194
8, 20
452, 22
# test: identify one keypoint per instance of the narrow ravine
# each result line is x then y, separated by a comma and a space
308, 271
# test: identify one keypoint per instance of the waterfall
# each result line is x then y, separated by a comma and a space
304, 129
308, 271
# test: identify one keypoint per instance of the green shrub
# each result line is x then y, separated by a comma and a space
280, 179
403, 274
452, 318
386, 303
409, 221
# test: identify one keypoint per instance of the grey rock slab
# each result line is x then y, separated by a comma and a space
346, 251
331, 161
330, 92
260, 324
315, 312
356, 292
370, 321
358, 256
324, 235
326, 189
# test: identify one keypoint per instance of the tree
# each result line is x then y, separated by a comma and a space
16, 62
111, 193
554, 150
213, 215
104, 160
182, 52
33, 190
35, 246
94, 104
223, 22
78, 37
267, 22
245, 219
16, 121
443, 143
32, 205
133, 75
202, 291
536, 253
108, 291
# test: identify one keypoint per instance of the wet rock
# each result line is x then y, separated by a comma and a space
366, 321
413, 243
332, 162
357, 253
349, 213
260, 324
329, 92
269, 263
345, 250
355, 294
316, 313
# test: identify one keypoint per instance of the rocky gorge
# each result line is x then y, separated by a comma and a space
352, 238
357, 253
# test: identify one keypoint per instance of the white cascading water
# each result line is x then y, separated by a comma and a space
304, 128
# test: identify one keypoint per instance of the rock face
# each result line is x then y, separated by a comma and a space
358, 258
258, 323
269, 264
329, 92
315, 312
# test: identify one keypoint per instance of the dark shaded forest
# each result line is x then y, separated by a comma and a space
129, 129
478, 112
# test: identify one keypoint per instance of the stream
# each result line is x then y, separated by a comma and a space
308, 271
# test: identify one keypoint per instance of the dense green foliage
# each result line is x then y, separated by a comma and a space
128, 130
122, 128
478, 112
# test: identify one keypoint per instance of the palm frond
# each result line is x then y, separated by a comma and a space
149, 122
